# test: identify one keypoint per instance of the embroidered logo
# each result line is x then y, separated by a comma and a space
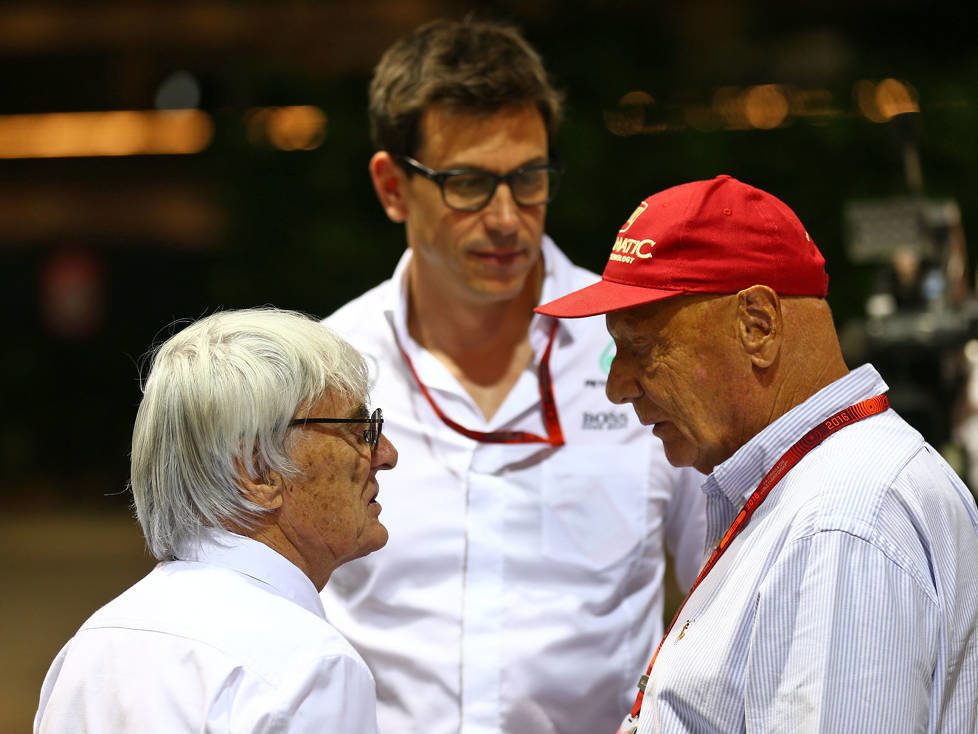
635, 215
604, 421
626, 249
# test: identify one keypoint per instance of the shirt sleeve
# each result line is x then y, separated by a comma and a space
335, 695
844, 639
686, 526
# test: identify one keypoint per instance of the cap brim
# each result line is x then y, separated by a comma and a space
603, 297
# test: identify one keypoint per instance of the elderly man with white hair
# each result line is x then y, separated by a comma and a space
254, 473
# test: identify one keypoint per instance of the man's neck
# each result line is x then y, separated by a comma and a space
812, 358
485, 345
269, 533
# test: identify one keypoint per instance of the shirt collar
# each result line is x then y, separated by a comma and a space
258, 561
737, 477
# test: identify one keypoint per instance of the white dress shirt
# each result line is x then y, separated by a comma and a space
849, 603
230, 639
521, 588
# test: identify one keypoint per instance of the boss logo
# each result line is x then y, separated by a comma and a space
607, 421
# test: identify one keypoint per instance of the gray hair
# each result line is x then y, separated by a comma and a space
216, 403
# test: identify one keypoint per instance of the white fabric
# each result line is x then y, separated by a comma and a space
849, 603
521, 589
232, 639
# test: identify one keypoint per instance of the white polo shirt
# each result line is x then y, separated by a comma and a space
230, 639
521, 588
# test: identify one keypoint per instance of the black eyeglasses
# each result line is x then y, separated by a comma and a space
469, 190
371, 434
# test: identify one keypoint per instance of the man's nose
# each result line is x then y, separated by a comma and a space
385, 457
502, 211
621, 386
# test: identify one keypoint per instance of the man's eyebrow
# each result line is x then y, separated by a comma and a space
540, 160
361, 411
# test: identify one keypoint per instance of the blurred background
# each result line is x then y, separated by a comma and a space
159, 161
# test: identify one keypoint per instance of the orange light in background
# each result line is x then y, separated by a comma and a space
637, 98
896, 98
300, 127
766, 106
118, 133
865, 93
881, 102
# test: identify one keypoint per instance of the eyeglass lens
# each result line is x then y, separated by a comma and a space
372, 433
473, 190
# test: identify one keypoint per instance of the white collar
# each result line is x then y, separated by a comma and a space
258, 561
739, 475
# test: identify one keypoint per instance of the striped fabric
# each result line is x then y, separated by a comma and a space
850, 601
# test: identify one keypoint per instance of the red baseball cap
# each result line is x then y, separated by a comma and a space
718, 236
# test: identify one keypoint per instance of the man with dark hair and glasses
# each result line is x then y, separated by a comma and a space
524, 579
254, 475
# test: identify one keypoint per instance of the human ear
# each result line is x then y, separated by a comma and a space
265, 490
759, 324
389, 181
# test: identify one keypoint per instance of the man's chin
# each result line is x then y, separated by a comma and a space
376, 540
494, 290
679, 452
501, 284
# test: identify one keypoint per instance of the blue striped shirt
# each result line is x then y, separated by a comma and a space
849, 603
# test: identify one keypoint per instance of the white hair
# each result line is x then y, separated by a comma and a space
216, 403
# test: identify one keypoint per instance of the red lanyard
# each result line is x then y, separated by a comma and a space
555, 436
792, 456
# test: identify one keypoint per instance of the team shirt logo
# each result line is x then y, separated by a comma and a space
606, 420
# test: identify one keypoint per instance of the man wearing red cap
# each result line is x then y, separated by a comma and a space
842, 594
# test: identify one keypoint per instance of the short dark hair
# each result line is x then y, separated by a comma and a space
468, 66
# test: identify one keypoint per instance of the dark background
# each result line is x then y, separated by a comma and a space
162, 238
